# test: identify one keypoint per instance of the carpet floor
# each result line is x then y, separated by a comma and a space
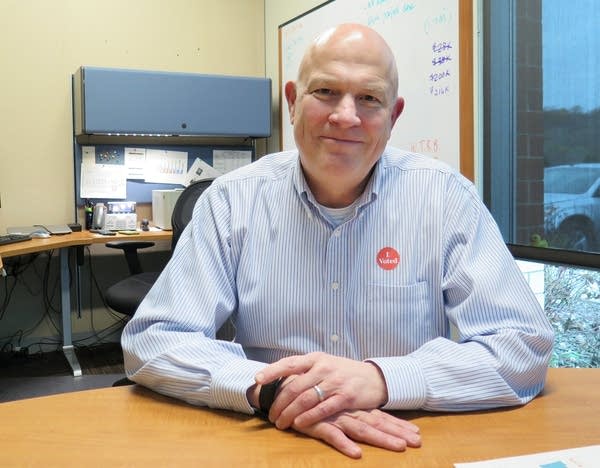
49, 373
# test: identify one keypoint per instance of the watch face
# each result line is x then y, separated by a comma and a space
266, 396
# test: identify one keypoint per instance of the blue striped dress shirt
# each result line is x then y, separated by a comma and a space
419, 255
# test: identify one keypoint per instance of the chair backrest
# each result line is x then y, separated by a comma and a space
184, 207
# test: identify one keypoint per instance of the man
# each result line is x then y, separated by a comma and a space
343, 266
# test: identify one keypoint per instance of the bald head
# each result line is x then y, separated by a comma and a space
351, 42
343, 108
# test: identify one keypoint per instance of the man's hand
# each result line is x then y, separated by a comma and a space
374, 427
343, 384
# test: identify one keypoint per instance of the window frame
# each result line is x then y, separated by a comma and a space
499, 74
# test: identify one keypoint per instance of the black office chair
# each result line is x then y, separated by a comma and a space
125, 296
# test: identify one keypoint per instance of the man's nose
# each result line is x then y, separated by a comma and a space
345, 112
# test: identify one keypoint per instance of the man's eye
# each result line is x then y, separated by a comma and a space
369, 98
323, 92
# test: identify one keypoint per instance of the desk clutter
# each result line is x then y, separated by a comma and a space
40, 230
12, 238
64, 246
122, 216
110, 216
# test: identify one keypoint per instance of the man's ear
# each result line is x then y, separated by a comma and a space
290, 96
397, 109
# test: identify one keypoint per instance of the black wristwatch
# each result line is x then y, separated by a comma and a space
266, 396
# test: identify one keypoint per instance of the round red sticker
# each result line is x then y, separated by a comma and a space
388, 258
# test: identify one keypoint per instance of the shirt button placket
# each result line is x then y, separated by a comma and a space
334, 337
335, 250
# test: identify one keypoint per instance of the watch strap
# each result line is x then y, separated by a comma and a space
266, 395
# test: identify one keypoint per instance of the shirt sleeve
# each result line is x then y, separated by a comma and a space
170, 344
503, 340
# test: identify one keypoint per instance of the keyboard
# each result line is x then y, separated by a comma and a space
12, 238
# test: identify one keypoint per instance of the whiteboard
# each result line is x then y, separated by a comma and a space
424, 35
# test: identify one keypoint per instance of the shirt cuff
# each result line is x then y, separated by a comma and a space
229, 385
405, 380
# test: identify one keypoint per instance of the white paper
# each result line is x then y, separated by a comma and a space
200, 171
135, 162
582, 457
228, 160
103, 181
166, 167
88, 155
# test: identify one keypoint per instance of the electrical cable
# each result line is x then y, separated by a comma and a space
49, 292
16, 267
120, 321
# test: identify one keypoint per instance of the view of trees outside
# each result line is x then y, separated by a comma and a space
571, 134
571, 123
572, 304
542, 132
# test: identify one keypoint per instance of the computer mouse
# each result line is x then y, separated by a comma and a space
40, 234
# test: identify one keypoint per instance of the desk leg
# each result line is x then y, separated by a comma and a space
65, 294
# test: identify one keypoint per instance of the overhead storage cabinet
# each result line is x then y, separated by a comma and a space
121, 101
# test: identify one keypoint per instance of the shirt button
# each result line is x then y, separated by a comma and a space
337, 233
335, 338
335, 285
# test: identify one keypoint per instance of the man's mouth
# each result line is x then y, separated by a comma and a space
340, 140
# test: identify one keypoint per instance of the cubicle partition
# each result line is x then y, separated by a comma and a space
136, 130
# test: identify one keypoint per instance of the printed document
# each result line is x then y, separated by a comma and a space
581, 457
166, 167
228, 160
101, 180
200, 171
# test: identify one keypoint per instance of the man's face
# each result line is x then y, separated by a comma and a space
343, 108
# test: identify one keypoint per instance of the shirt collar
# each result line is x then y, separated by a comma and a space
369, 194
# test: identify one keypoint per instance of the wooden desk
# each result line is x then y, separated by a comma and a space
73, 240
132, 426
63, 243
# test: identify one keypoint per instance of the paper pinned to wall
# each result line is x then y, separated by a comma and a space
88, 155
166, 167
200, 170
101, 180
228, 160
135, 161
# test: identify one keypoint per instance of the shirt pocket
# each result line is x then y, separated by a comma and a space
401, 316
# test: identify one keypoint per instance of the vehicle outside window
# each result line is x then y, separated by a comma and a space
572, 206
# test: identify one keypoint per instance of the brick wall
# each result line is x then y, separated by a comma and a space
530, 124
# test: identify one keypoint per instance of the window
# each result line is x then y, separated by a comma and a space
542, 126
541, 122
